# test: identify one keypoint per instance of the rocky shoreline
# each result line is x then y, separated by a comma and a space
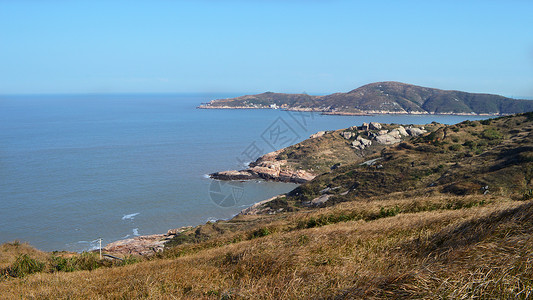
270, 167
144, 244
267, 167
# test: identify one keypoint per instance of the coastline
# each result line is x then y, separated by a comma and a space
153, 243
362, 113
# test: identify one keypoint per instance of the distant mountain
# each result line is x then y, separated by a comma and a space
383, 98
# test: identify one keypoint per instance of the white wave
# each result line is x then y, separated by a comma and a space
206, 176
130, 216
136, 231
91, 245
211, 220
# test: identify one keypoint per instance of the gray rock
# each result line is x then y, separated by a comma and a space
320, 200
413, 131
387, 139
395, 133
383, 131
365, 126
370, 162
402, 131
375, 125
347, 134
318, 134
356, 144
365, 142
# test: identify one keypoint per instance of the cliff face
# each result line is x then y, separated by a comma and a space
383, 98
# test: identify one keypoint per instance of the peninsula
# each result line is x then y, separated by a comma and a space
381, 98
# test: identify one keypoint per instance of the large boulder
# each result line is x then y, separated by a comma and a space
365, 142
317, 135
347, 134
395, 133
402, 131
357, 144
232, 175
387, 139
414, 131
375, 125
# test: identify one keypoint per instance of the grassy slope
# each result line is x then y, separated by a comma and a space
460, 159
403, 240
481, 250
318, 155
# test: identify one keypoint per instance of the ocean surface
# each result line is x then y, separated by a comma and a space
75, 168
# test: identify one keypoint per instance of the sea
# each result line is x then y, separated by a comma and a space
78, 168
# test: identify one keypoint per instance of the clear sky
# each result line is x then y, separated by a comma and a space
255, 46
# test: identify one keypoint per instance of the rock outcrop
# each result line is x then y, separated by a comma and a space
387, 139
317, 135
267, 167
144, 244
374, 131
414, 131
275, 167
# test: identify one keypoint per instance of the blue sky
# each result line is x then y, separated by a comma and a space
255, 46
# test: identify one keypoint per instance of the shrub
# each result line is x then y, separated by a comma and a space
388, 212
528, 194
86, 261
260, 232
491, 134
455, 147
25, 265
62, 264
128, 260
470, 144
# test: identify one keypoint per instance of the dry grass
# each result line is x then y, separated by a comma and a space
10, 251
480, 251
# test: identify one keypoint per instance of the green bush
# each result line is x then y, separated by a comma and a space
129, 260
388, 212
62, 264
528, 194
25, 265
455, 147
491, 134
470, 144
86, 261
260, 232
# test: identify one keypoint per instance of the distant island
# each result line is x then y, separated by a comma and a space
381, 98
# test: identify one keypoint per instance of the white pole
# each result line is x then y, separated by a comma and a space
100, 242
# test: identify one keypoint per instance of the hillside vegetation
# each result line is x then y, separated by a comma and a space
442, 215
384, 97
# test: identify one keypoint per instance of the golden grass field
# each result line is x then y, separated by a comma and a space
481, 251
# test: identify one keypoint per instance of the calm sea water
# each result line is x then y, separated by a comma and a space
76, 168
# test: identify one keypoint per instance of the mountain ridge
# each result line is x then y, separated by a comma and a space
388, 97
